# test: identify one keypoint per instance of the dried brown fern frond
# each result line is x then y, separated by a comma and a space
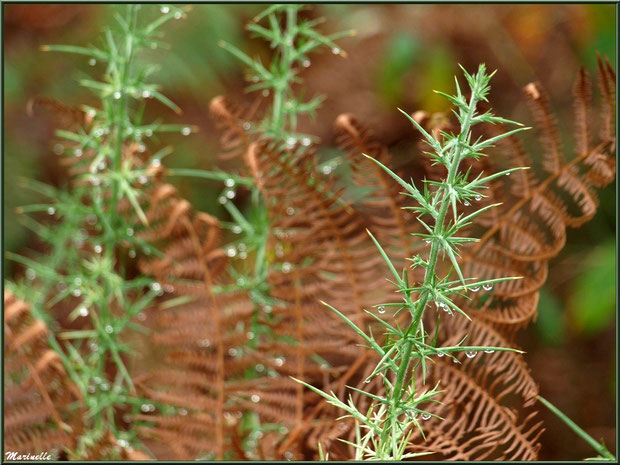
389, 222
38, 416
237, 125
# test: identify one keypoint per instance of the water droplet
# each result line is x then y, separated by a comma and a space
243, 255
327, 169
487, 287
255, 398
231, 251
267, 308
141, 316
165, 10
279, 361
440, 354
95, 181
186, 131
306, 141
475, 288
507, 174
489, 351
466, 203
426, 416
77, 281
105, 386
182, 412
222, 200
146, 94
130, 231
249, 335
117, 95
59, 149
31, 274
381, 309
109, 329
178, 15
232, 352
94, 347
286, 267
91, 389
247, 126
336, 51
229, 182
204, 343
306, 63
288, 455
132, 253
266, 93
454, 360
51, 210
241, 282
478, 197
77, 292
101, 165
367, 381
98, 248
122, 443
145, 408
236, 229
471, 353
260, 367
83, 311
156, 163
78, 153
156, 287
428, 241
290, 142
290, 211
143, 179
92, 62
230, 194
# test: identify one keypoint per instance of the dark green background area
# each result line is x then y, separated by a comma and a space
399, 55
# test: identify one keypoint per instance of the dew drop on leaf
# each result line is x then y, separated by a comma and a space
470, 353
487, 287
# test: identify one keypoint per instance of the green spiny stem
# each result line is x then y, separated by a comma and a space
597, 446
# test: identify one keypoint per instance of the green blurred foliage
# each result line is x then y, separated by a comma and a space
550, 325
401, 55
592, 301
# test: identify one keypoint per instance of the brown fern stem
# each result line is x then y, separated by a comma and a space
219, 412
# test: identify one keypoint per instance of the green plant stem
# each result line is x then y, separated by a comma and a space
597, 446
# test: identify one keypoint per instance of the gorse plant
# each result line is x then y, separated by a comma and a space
147, 329
391, 418
96, 235
293, 39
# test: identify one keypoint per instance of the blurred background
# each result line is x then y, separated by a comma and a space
399, 55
